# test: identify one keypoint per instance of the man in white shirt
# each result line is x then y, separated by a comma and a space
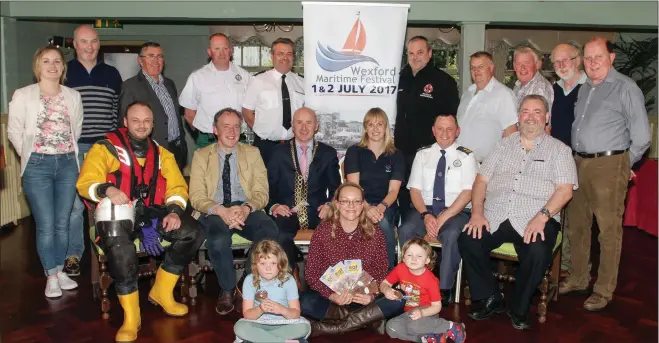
527, 64
217, 85
272, 98
487, 111
440, 190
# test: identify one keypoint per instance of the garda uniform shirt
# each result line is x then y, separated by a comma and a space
460, 172
264, 98
209, 90
420, 99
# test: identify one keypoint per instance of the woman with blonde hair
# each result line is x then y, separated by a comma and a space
377, 166
346, 234
45, 120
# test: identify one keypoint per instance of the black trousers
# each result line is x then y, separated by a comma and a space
122, 255
288, 227
265, 147
534, 259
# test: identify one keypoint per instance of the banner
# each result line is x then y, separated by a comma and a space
352, 61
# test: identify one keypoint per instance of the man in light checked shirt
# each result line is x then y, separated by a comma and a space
527, 179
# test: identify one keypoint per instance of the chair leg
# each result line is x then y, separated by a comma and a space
105, 283
542, 307
193, 270
458, 283
467, 294
96, 275
185, 280
554, 276
501, 273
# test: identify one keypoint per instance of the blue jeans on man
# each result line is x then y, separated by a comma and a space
413, 226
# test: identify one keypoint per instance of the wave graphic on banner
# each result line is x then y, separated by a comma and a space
332, 60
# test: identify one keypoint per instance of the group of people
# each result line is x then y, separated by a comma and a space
494, 166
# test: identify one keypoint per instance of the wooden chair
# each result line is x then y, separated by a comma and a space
147, 268
549, 285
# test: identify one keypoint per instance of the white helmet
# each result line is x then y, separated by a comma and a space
107, 212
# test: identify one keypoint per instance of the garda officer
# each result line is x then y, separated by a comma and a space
129, 167
423, 92
217, 85
272, 98
440, 190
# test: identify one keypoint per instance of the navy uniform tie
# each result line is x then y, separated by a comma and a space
226, 181
286, 104
438, 200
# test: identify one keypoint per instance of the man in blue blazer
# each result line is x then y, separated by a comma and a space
303, 175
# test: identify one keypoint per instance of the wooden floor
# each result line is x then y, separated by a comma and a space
27, 316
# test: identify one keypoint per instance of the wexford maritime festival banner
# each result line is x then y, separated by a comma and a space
352, 61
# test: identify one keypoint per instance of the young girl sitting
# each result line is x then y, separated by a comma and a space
423, 301
271, 305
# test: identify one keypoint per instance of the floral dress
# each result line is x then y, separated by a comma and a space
53, 135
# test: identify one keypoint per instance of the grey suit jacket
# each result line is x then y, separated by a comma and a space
138, 88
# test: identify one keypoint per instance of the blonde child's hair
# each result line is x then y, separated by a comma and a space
425, 246
262, 250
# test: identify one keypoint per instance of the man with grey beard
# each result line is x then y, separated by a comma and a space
566, 59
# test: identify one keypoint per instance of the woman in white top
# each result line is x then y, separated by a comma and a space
45, 120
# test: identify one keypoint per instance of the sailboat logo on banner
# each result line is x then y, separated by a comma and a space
332, 60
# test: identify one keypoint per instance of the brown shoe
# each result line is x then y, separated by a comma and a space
595, 302
225, 303
566, 286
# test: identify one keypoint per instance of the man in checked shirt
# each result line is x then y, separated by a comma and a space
527, 178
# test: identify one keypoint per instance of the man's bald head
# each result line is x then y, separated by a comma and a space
86, 44
305, 124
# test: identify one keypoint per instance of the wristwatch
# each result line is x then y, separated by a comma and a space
545, 212
386, 206
424, 214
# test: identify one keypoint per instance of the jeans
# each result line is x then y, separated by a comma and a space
387, 226
76, 221
258, 227
314, 306
49, 182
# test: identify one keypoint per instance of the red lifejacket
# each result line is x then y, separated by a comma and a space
131, 173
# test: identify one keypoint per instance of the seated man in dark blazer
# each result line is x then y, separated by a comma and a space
151, 87
303, 175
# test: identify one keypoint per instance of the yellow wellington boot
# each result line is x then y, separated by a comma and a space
131, 305
162, 294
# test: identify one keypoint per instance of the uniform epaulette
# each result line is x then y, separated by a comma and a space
463, 149
424, 147
261, 72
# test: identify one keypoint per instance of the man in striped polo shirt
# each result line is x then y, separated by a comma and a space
99, 85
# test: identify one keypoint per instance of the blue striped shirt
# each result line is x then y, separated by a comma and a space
99, 90
167, 103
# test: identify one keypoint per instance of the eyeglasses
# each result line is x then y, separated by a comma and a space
351, 203
564, 62
152, 56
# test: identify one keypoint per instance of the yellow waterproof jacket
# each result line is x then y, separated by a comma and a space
100, 162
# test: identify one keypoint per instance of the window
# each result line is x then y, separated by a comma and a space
254, 55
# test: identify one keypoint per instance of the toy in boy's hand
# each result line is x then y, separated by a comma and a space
261, 295
398, 295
